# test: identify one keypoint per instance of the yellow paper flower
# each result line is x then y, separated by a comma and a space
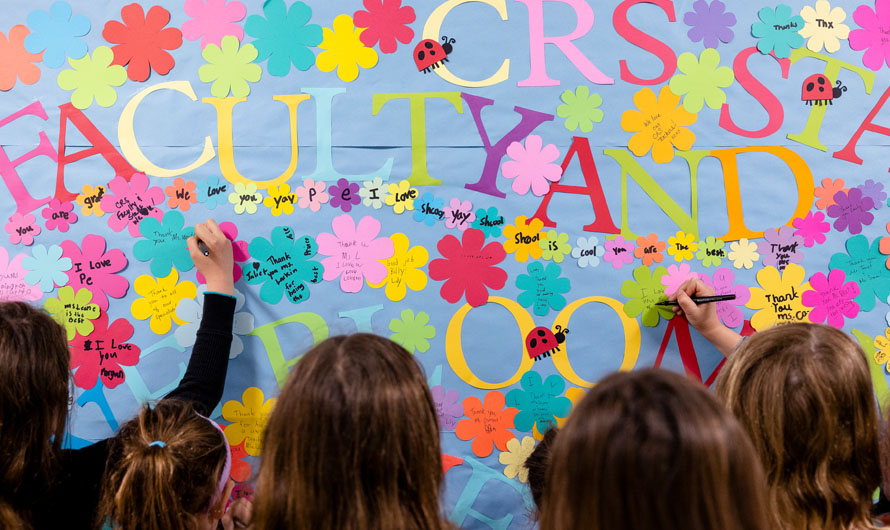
404, 269
248, 420
344, 50
659, 125
743, 253
882, 348
160, 298
280, 200
824, 27
93, 78
778, 298
522, 239
401, 196
73, 311
682, 246
89, 199
515, 456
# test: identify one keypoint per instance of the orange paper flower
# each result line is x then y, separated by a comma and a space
649, 249
487, 423
827, 190
15, 61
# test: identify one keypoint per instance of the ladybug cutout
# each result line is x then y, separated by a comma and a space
429, 54
817, 90
541, 342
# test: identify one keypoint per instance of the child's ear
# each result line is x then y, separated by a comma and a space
218, 509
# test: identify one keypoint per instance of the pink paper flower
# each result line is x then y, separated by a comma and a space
459, 214
13, 286
355, 252
22, 229
239, 251
676, 275
101, 354
811, 228
128, 203
872, 37
211, 20
619, 252
59, 215
312, 194
831, 298
95, 269
728, 310
532, 166
385, 21
468, 267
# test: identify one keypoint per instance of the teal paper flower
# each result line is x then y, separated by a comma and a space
711, 251
702, 80
864, 265
412, 332
644, 293
543, 288
580, 109
284, 36
778, 31
283, 265
539, 402
47, 267
489, 221
164, 244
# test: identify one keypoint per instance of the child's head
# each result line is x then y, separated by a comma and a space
537, 464
804, 394
353, 442
649, 450
167, 470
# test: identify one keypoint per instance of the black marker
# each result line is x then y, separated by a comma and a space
203, 248
703, 299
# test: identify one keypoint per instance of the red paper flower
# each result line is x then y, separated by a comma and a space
142, 40
385, 21
487, 423
102, 353
468, 267
240, 468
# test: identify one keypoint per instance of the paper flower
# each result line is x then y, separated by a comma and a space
211, 20
515, 456
57, 34
355, 252
675, 276
532, 166
101, 355
780, 247
430, 209
73, 311
128, 203
182, 194
778, 299
13, 286
522, 238
832, 298
864, 264
812, 228
743, 253
702, 80
164, 244
284, 36
588, 251
871, 37
875, 191
539, 402
312, 195
404, 269
47, 267
882, 348
851, 210
778, 31
343, 49
18, 63
241, 470
459, 214
682, 246
191, 310
649, 249
728, 310
580, 109
412, 332
93, 77
160, 296
542, 288
400, 196
283, 265
447, 407
827, 190
884, 245
344, 194
619, 252
555, 246
211, 192
248, 419
709, 23
96, 270
280, 200
385, 21
59, 215
372, 193
230, 67
142, 41
22, 229
239, 251
710, 251
90, 199
468, 267
659, 124
824, 27
245, 198
489, 221
643, 292
487, 423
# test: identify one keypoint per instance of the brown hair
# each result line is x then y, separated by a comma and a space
656, 438
353, 443
162, 486
537, 464
804, 394
34, 384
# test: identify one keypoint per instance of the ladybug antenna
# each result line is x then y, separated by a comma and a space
558, 327
452, 41
444, 38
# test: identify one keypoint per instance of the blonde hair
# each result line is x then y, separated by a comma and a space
804, 394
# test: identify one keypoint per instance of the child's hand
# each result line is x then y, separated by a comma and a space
704, 317
218, 264
239, 515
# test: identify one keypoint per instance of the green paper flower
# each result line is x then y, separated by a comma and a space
702, 80
644, 293
555, 246
412, 332
230, 67
284, 36
93, 78
579, 109
711, 252
73, 311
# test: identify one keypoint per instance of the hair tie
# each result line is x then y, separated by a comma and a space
157, 443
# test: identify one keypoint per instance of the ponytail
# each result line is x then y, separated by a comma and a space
10, 519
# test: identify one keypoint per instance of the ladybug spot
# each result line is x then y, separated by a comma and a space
533, 343
541, 333
428, 45
810, 86
821, 80
821, 89
421, 55
432, 52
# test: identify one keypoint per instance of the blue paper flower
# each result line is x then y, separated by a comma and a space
57, 32
283, 265
212, 192
284, 36
543, 288
778, 31
429, 209
489, 221
47, 267
190, 311
164, 244
864, 264
539, 402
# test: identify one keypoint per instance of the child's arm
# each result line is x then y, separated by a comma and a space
704, 317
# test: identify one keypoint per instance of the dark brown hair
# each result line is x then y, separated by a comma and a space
162, 486
651, 450
353, 443
537, 464
34, 384
804, 394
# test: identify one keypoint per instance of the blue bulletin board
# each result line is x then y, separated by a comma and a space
546, 170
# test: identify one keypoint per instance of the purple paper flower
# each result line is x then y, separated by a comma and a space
448, 409
780, 247
709, 22
619, 252
874, 190
851, 210
811, 228
344, 194
728, 310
